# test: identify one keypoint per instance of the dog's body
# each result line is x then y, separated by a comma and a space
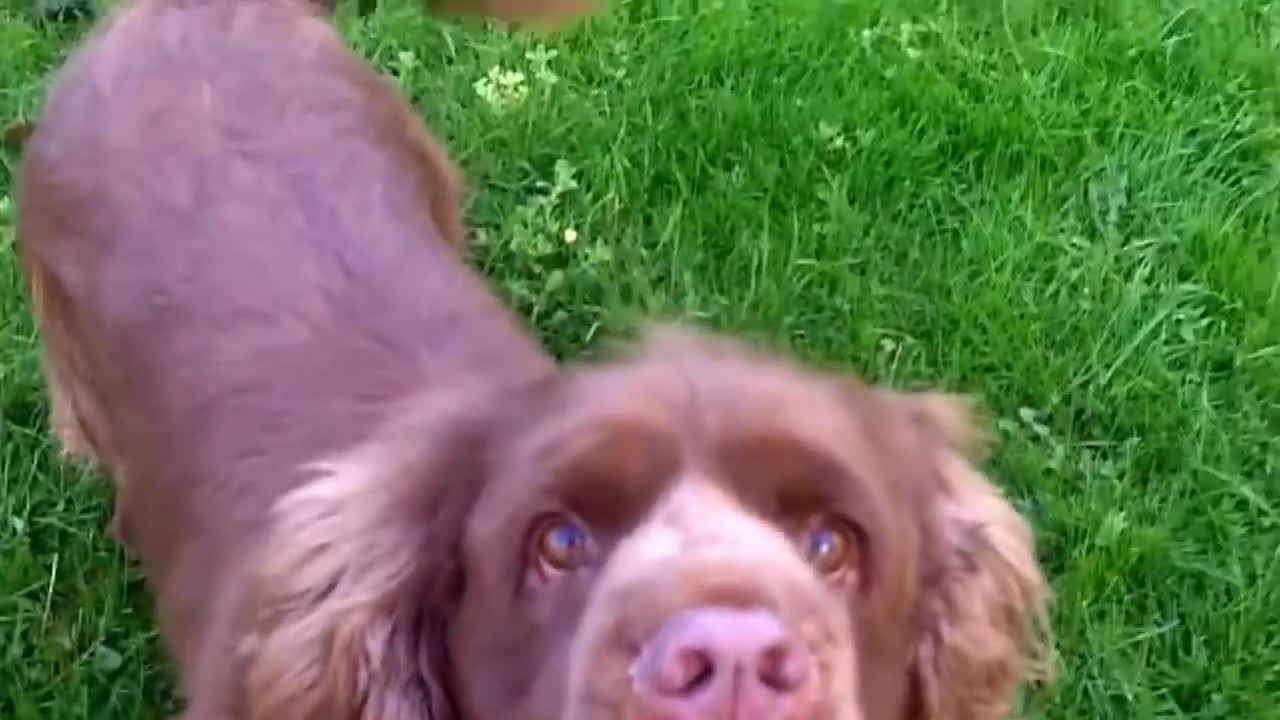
206, 182
359, 489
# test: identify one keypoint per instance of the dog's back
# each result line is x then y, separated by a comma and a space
243, 248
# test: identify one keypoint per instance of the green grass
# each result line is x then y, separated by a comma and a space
1069, 208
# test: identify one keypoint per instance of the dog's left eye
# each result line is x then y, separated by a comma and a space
561, 545
833, 546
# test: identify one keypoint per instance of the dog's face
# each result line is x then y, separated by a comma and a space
701, 532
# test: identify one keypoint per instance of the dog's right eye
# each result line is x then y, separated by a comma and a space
561, 545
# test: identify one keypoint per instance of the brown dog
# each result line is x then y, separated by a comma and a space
359, 490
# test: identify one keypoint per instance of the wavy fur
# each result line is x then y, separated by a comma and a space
355, 567
987, 605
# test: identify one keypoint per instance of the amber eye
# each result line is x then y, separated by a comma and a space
561, 545
833, 546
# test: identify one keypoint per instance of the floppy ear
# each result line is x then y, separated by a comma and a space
360, 572
985, 601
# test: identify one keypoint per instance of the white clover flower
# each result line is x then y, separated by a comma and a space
502, 89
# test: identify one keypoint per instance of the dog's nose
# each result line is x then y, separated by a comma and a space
714, 662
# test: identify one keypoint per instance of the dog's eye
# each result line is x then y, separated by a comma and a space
561, 545
833, 546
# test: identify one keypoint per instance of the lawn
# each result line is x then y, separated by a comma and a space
1070, 209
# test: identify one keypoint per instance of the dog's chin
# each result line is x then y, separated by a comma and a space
717, 714
631, 707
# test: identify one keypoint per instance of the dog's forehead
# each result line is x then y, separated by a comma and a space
702, 396
632, 426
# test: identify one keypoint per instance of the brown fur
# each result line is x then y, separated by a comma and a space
329, 442
684, 457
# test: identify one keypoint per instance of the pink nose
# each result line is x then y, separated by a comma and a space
724, 663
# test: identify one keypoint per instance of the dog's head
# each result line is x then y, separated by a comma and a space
698, 530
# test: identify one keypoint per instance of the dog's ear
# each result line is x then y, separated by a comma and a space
360, 572
985, 598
